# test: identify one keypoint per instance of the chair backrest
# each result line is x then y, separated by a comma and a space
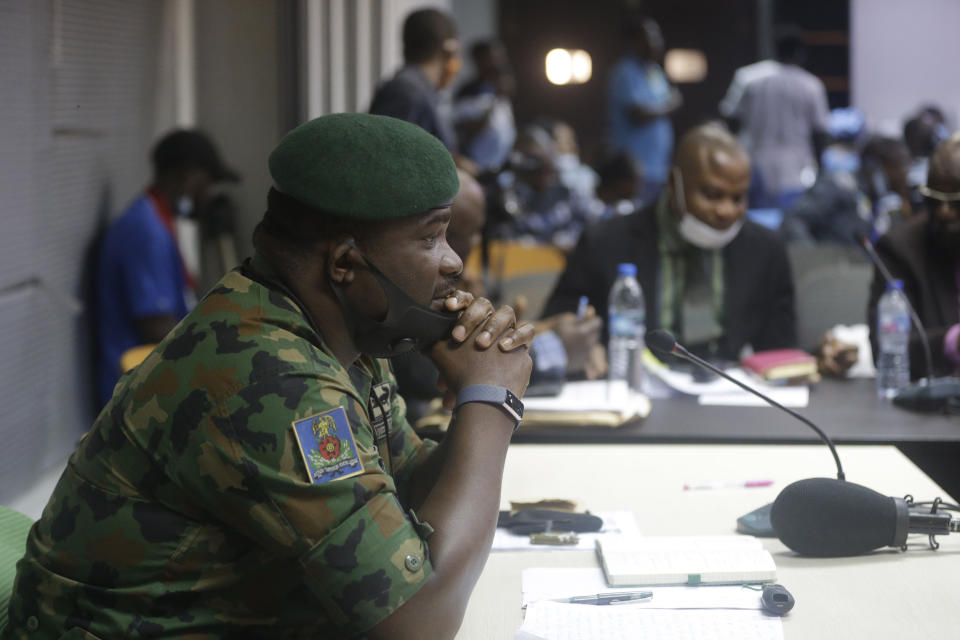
518, 268
14, 527
830, 295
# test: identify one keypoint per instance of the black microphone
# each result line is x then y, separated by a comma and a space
930, 393
828, 517
824, 517
664, 342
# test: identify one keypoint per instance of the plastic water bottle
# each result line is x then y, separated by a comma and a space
893, 337
626, 324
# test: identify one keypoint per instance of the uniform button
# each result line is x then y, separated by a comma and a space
412, 562
33, 624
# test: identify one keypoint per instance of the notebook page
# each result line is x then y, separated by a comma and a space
551, 583
556, 621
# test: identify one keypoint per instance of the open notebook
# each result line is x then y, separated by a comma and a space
651, 560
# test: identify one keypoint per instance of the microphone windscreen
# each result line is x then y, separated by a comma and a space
661, 341
829, 518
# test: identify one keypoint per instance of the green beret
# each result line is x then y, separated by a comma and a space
357, 165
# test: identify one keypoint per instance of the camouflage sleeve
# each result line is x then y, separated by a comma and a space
329, 504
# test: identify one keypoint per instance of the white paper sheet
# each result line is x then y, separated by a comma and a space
553, 583
556, 621
615, 524
593, 395
722, 392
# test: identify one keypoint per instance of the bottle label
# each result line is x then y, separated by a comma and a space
894, 323
626, 324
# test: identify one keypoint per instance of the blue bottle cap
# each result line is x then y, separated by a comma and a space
895, 284
627, 269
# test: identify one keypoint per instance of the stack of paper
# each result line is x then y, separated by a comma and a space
673, 613
723, 392
588, 403
555, 621
554, 583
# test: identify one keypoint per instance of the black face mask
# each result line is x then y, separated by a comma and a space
944, 237
406, 326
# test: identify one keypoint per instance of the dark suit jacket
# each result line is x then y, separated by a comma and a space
758, 306
930, 284
410, 96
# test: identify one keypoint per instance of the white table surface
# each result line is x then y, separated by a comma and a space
887, 594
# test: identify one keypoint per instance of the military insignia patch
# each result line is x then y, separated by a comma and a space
327, 446
379, 406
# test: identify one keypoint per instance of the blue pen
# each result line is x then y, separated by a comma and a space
582, 307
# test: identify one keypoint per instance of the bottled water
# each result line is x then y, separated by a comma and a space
893, 338
626, 325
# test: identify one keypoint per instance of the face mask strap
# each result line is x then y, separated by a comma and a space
406, 325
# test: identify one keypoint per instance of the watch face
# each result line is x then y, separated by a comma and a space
513, 403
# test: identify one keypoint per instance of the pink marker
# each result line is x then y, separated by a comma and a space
747, 484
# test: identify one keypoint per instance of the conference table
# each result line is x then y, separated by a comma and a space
848, 410
885, 594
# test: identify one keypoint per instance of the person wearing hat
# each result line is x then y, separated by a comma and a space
256, 476
142, 285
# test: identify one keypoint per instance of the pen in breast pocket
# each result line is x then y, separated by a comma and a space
622, 597
582, 307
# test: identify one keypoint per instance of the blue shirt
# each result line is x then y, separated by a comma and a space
139, 274
636, 82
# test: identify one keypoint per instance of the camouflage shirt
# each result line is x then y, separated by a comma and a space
192, 509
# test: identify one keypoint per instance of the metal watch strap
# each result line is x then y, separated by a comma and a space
492, 394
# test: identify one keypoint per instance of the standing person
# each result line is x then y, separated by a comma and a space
143, 288
640, 101
483, 111
714, 278
924, 252
431, 55
256, 476
782, 117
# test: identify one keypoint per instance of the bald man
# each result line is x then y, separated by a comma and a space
925, 254
716, 280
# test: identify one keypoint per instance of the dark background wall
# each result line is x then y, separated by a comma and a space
730, 33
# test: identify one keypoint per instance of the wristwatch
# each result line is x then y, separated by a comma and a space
492, 394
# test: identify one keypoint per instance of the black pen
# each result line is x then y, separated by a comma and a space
608, 598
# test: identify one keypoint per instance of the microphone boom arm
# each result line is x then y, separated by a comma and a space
680, 352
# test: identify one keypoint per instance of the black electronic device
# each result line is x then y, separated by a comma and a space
776, 599
928, 394
829, 517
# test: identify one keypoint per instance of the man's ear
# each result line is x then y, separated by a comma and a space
343, 260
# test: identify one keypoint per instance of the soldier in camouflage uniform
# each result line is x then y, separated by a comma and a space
256, 476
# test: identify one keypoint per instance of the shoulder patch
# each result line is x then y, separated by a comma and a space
327, 446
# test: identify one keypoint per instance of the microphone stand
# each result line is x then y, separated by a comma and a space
757, 522
679, 351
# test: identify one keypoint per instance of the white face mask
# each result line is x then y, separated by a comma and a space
696, 231
700, 234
